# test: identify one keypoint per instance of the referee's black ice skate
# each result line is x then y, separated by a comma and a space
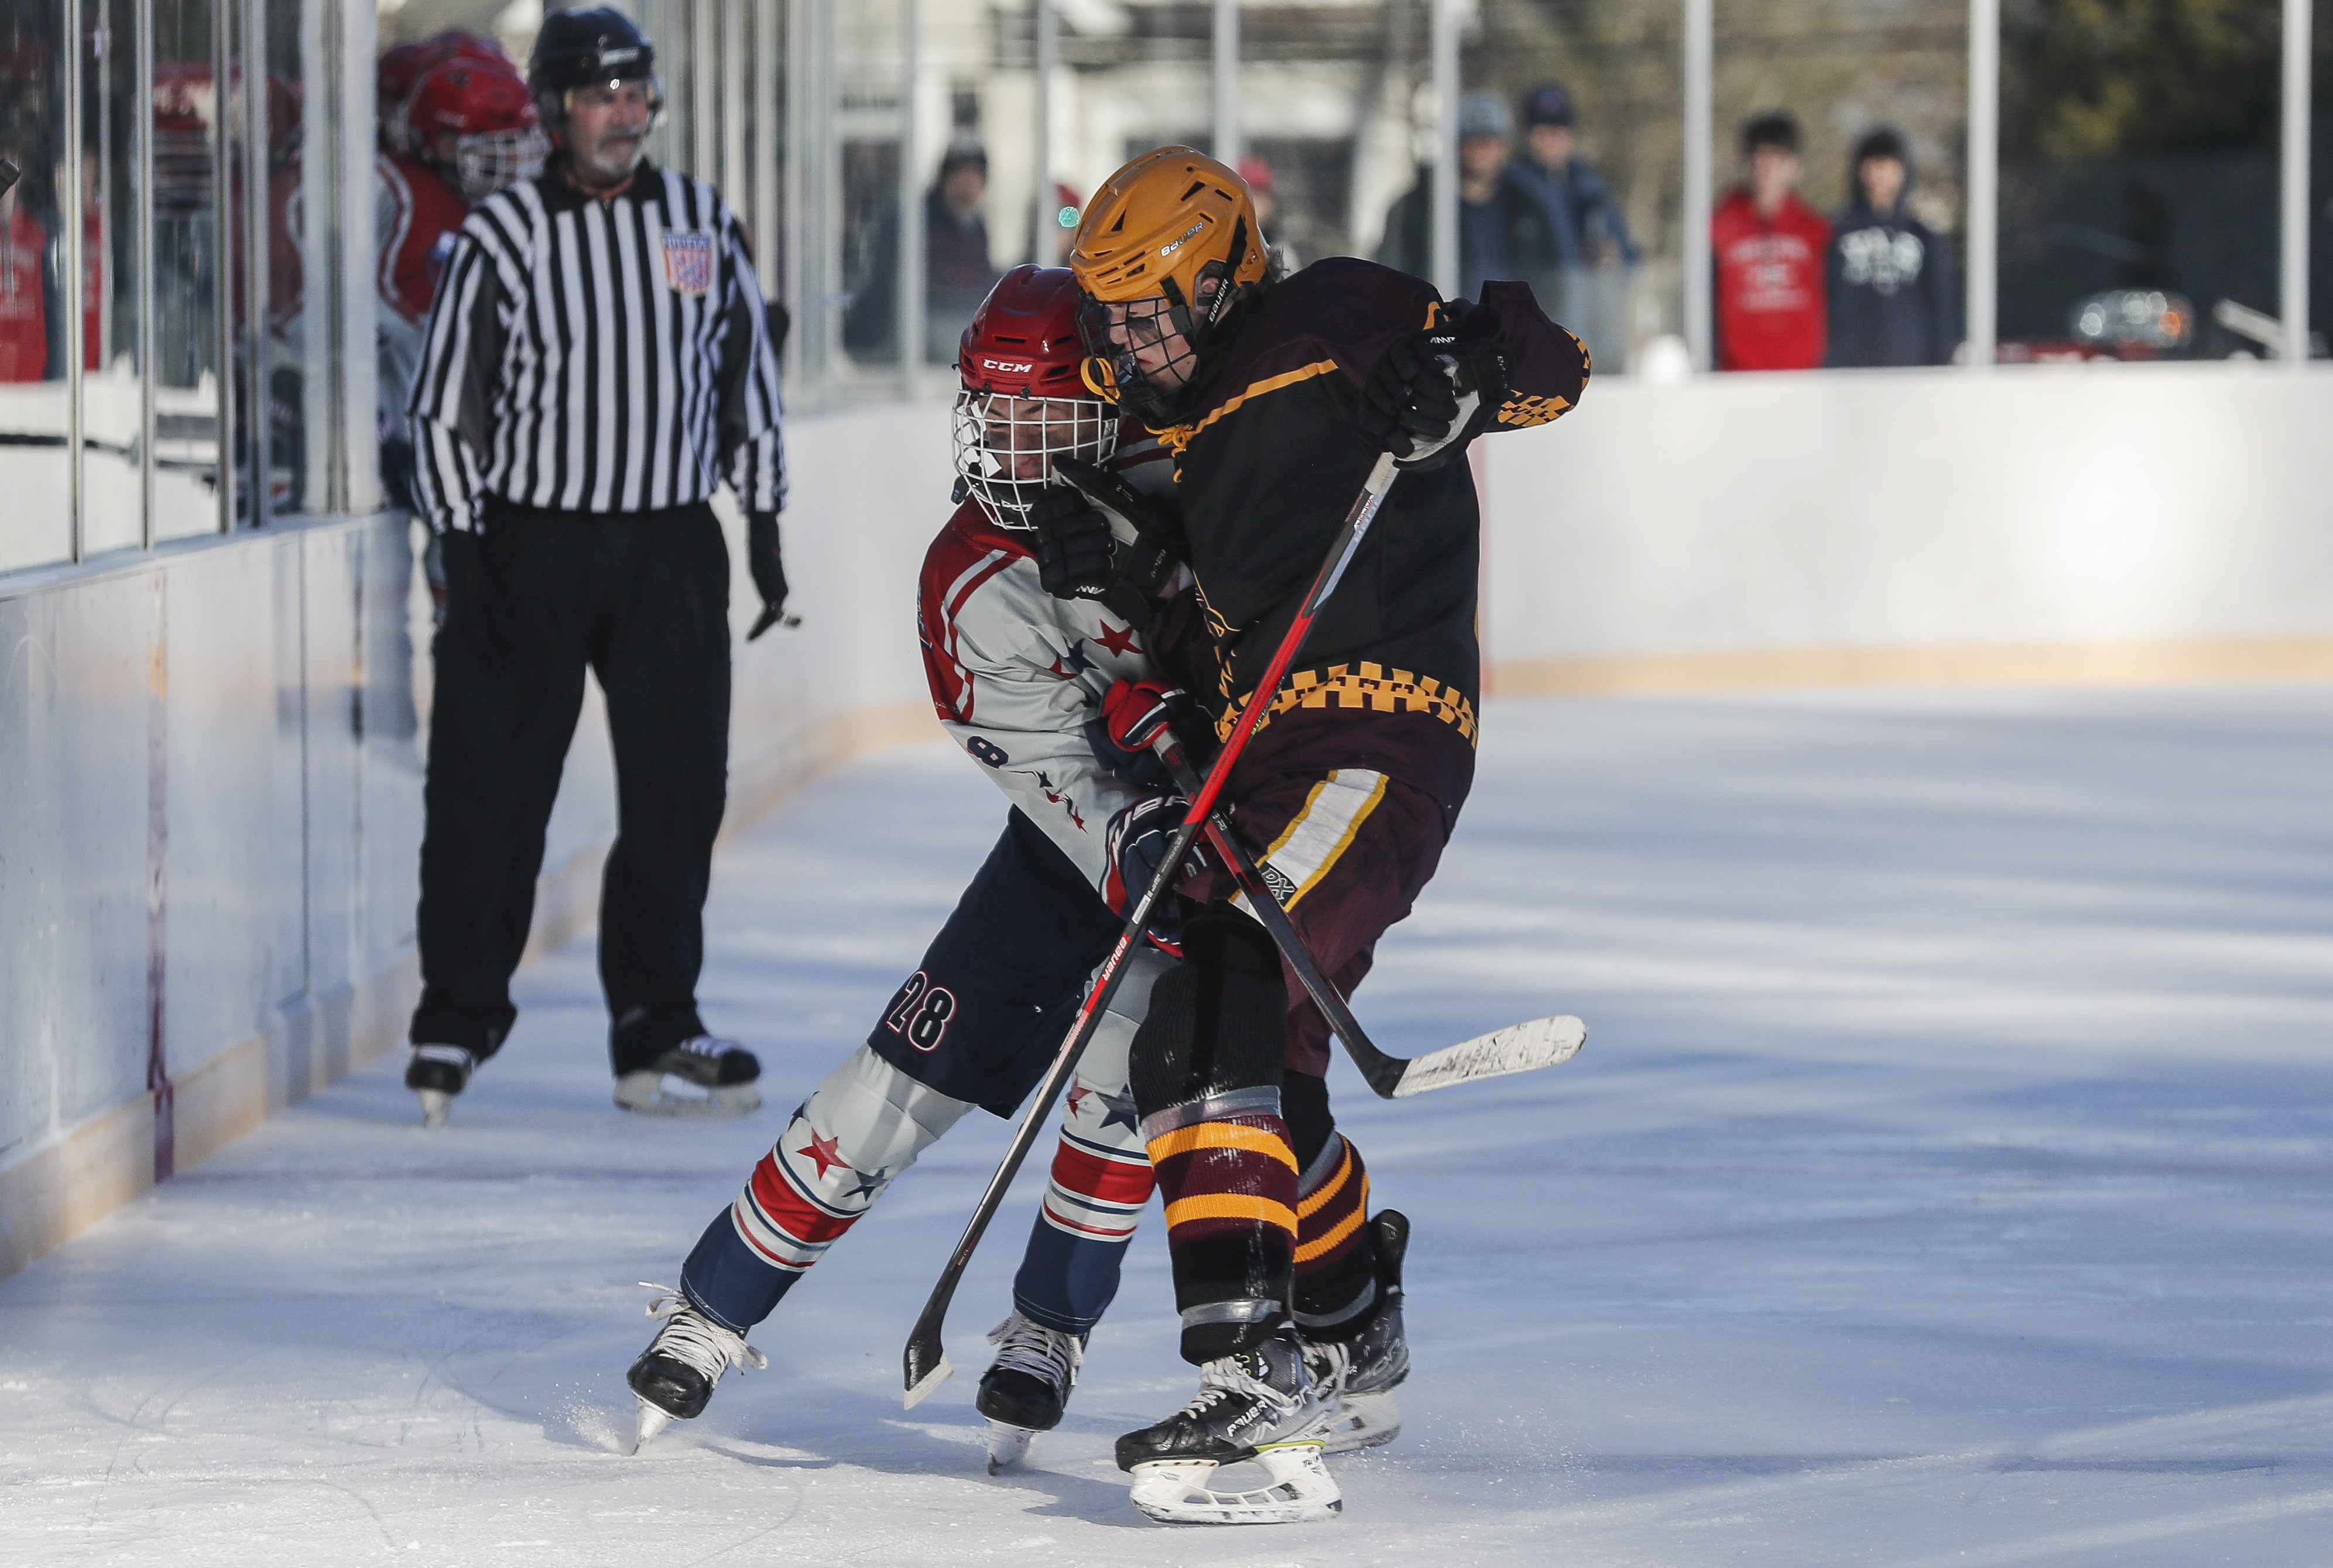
438, 1074
1354, 1376
1257, 1404
675, 1376
1024, 1388
724, 1071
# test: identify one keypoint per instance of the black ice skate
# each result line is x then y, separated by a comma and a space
1255, 1405
1024, 1391
674, 1377
723, 1070
438, 1074
1354, 1377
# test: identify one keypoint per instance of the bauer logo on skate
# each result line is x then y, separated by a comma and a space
689, 264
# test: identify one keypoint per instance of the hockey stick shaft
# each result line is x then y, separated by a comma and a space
1382, 1072
925, 1361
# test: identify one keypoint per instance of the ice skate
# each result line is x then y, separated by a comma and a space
1255, 1405
1024, 1391
674, 1377
438, 1074
724, 1071
1354, 1378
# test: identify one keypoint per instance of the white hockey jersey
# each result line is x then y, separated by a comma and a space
1015, 673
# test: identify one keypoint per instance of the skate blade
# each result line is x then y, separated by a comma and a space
644, 1094
1008, 1445
1363, 1421
1301, 1490
653, 1419
436, 1105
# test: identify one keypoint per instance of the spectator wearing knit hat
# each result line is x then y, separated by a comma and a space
1591, 230
1503, 230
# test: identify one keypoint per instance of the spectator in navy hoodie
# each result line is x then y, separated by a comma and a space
1894, 284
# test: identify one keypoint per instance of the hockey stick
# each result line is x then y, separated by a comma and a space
1517, 1049
926, 1362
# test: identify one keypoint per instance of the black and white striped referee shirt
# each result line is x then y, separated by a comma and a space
590, 356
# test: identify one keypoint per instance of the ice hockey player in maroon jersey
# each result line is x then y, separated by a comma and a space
1276, 396
1039, 692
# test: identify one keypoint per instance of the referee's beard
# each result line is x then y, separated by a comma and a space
600, 160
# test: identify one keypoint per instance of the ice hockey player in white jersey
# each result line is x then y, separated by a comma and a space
1054, 700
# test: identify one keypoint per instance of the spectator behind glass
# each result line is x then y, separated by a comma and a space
1767, 251
957, 274
1256, 169
1589, 229
1503, 230
24, 281
1894, 288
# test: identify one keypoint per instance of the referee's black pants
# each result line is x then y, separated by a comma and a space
643, 600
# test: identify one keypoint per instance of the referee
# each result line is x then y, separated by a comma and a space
596, 362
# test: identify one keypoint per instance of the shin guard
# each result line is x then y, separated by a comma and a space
1102, 1175
867, 1123
1205, 1069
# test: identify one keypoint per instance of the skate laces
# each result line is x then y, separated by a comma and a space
1329, 1365
689, 1336
1045, 1353
1225, 1378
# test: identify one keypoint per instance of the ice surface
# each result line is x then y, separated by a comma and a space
1945, 1182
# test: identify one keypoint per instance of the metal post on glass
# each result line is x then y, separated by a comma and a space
1043, 220
1700, 179
1443, 253
1226, 42
2292, 248
1984, 181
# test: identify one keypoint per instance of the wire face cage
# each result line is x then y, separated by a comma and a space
1005, 447
490, 160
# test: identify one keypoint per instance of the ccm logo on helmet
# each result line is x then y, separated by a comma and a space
1010, 367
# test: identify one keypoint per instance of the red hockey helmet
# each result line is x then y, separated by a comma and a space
1024, 401
498, 135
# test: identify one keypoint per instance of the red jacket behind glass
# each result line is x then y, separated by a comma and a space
1770, 284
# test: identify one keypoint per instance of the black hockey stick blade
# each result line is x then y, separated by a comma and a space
926, 1364
1517, 1049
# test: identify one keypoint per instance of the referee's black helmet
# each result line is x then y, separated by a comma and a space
582, 48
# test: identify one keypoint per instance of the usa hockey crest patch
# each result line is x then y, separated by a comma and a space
688, 263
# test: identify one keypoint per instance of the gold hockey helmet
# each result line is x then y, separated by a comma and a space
1162, 228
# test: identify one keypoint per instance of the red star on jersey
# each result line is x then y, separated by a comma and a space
1118, 640
825, 1153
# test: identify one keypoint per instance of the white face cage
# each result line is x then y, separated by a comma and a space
1005, 447
492, 161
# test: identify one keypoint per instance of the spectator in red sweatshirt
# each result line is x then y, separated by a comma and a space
1767, 249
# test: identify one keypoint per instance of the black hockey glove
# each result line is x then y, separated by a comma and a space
1149, 534
473, 606
1422, 393
1073, 544
769, 569
1139, 839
